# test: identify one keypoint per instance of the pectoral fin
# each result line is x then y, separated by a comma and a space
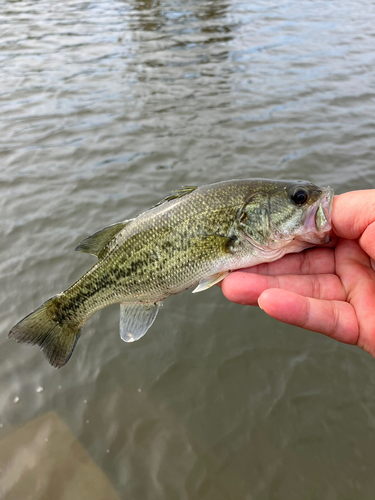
210, 281
136, 319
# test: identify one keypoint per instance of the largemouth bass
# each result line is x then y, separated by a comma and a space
193, 238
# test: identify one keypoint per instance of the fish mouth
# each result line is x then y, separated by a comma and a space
319, 216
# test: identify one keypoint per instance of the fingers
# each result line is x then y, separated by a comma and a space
245, 288
313, 261
333, 318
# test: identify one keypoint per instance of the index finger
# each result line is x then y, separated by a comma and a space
312, 261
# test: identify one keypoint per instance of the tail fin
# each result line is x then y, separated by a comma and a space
48, 328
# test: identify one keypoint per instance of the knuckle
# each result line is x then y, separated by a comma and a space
316, 289
335, 319
305, 263
306, 315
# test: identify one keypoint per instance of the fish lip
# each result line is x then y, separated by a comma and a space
326, 202
317, 233
327, 205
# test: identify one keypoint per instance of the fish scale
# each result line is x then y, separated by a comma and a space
193, 238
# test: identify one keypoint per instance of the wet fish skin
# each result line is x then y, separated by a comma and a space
196, 235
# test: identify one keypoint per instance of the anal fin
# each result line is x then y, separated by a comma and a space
210, 281
136, 319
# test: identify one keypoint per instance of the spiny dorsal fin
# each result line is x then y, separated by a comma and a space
178, 193
98, 243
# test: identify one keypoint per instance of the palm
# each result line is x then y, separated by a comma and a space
328, 290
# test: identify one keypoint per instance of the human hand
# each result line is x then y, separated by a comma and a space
328, 289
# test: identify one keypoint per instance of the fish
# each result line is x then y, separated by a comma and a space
193, 238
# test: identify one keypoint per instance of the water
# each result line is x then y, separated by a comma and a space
106, 106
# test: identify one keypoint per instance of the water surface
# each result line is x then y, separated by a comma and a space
107, 106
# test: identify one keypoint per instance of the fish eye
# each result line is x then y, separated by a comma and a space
300, 196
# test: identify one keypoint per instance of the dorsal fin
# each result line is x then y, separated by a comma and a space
98, 243
178, 193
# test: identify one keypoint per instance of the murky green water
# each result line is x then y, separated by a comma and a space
106, 106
